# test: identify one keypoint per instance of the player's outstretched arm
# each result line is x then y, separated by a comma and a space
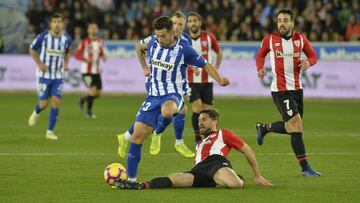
250, 156
212, 71
36, 58
141, 54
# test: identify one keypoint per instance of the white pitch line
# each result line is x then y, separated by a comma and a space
166, 154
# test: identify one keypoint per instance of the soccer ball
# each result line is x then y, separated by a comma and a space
113, 172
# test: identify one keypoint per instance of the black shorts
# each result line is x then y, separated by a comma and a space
91, 80
204, 171
203, 91
289, 103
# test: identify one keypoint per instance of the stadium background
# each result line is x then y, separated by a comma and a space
71, 169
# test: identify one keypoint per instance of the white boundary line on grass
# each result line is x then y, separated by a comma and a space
162, 154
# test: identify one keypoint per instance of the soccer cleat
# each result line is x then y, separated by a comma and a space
50, 135
123, 144
155, 145
81, 104
90, 116
311, 173
184, 150
33, 118
127, 185
260, 133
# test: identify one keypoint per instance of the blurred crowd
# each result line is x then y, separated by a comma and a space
229, 20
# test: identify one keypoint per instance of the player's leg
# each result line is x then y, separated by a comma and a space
196, 106
87, 79
282, 102
141, 132
124, 140
227, 177
179, 124
56, 88
181, 179
169, 106
54, 113
95, 92
43, 91
295, 128
145, 123
176, 180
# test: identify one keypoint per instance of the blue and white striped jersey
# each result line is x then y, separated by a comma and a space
168, 67
184, 36
52, 53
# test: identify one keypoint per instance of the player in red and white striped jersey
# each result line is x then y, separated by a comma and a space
211, 166
201, 95
285, 48
90, 51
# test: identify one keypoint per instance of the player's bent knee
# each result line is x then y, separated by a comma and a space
294, 124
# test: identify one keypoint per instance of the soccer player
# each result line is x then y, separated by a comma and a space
169, 57
178, 19
90, 51
51, 52
286, 47
211, 166
201, 95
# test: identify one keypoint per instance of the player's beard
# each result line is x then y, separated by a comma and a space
286, 33
206, 132
194, 29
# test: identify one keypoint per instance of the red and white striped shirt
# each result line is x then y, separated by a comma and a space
203, 45
218, 142
285, 56
90, 49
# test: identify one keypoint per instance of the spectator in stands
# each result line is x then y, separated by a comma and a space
222, 17
353, 29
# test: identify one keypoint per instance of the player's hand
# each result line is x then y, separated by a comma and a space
146, 71
88, 60
197, 71
224, 81
66, 67
104, 59
42, 67
262, 181
261, 73
304, 64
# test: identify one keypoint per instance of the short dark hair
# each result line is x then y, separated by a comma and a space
56, 15
194, 14
163, 22
178, 14
286, 11
213, 113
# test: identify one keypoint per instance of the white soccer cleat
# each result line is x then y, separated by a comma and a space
50, 135
33, 118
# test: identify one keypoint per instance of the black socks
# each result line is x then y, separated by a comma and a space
159, 182
298, 146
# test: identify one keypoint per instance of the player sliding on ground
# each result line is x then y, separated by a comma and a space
211, 166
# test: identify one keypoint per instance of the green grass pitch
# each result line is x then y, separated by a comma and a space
33, 169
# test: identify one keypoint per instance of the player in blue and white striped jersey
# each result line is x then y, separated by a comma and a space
179, 20
51, 52
169, 57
